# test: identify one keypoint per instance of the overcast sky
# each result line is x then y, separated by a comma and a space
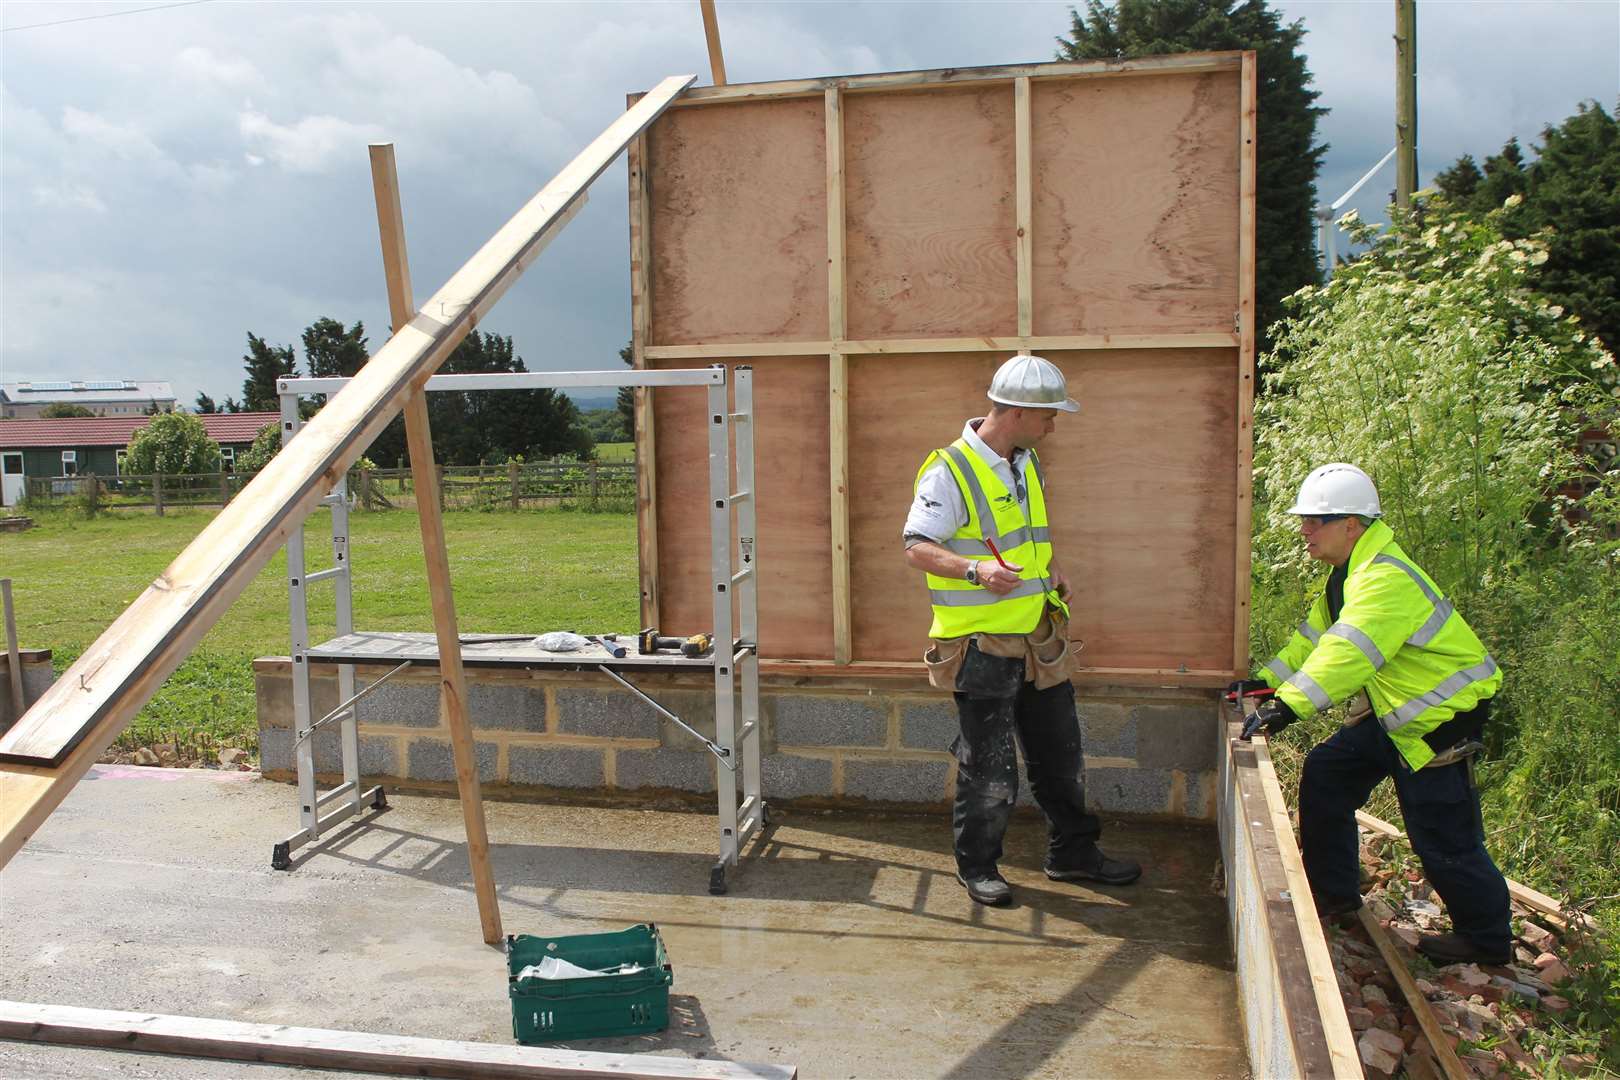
172, 179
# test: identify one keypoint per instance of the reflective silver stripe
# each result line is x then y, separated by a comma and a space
1278, 668
1450, 688
981, 505
1426, 633
980, 597
1411, 572
1015, 539
1360, 640
1040, 471
1309, 632
1311, 689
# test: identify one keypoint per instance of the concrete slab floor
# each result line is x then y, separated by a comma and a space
845, 947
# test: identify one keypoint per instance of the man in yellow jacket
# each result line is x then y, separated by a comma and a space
978, 529
1382, 633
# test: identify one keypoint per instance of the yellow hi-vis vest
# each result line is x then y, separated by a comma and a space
1398, 638
962, 608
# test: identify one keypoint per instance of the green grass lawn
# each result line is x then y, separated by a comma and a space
615, 451
513, 573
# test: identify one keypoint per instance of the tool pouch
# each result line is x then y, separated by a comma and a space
1357, 709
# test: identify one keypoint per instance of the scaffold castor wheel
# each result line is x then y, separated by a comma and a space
717, 880
380, 801
281, 857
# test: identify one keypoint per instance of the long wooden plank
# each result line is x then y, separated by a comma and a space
1341, 1039
1023, 171
325, 1048
1247, 193
1211, 340
1444, 1052
100, 694
430, 515
1184, 63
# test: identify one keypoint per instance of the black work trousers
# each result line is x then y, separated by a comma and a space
1441, 810
994, 706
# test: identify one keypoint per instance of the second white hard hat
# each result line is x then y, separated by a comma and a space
1032, 382
1337, 488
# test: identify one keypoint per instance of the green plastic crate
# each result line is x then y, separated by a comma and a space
554, 1010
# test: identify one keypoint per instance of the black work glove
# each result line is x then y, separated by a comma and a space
1271, 717
1247, 688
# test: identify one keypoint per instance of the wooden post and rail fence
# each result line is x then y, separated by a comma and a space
606, 486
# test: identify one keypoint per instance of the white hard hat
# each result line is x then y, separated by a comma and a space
1337, 488
1032, 383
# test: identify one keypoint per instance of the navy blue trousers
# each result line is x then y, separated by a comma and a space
995, 706
1441, 811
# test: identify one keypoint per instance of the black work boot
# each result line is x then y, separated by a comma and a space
1094, 866
987, 888
1455, 949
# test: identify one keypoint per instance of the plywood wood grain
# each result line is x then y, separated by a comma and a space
1142, 498
794, 526
930, 212
738, 224
1136, 204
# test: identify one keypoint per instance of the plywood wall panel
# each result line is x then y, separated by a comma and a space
1142, 498
929, 206
738, 224
1135, 204
790, 406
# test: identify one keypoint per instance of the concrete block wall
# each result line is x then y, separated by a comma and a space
832, 743
37, 676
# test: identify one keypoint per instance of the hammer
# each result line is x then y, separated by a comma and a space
650, 641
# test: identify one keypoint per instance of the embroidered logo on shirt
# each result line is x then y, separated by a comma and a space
929, 503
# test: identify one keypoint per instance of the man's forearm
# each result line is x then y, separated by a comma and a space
935, 559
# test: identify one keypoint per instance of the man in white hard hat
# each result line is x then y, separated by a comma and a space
1381, 626
978, 530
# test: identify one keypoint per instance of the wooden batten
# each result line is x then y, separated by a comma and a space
1022, 169
1214, 339
894, 81
837, 383
425, 477
1247, 192
711, 34
642, 413
54, 744
1444, 1053
350, 1051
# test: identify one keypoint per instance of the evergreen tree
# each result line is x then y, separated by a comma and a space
1288, 156
491, 425
57, 410
264, 365
1571, 193
627, 399
231, 406
205, 404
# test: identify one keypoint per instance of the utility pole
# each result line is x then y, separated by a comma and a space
1405, 101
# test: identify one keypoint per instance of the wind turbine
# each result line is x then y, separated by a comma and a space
1324, 216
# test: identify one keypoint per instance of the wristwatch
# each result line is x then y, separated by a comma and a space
973, 573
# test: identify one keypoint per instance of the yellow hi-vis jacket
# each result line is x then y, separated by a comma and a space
1397, 638
962, 608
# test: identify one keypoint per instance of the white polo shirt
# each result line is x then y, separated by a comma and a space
938, 510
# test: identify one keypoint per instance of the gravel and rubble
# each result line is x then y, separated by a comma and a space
1484, 1010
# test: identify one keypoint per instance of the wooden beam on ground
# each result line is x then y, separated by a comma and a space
1444, 1053
349, 1051
430, 514
711, 34
1248, 190
837, 385
1533, 899
1023, 184
54, 744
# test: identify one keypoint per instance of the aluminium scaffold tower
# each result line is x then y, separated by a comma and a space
734, 658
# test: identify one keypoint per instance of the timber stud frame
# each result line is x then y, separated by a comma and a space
874, 245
